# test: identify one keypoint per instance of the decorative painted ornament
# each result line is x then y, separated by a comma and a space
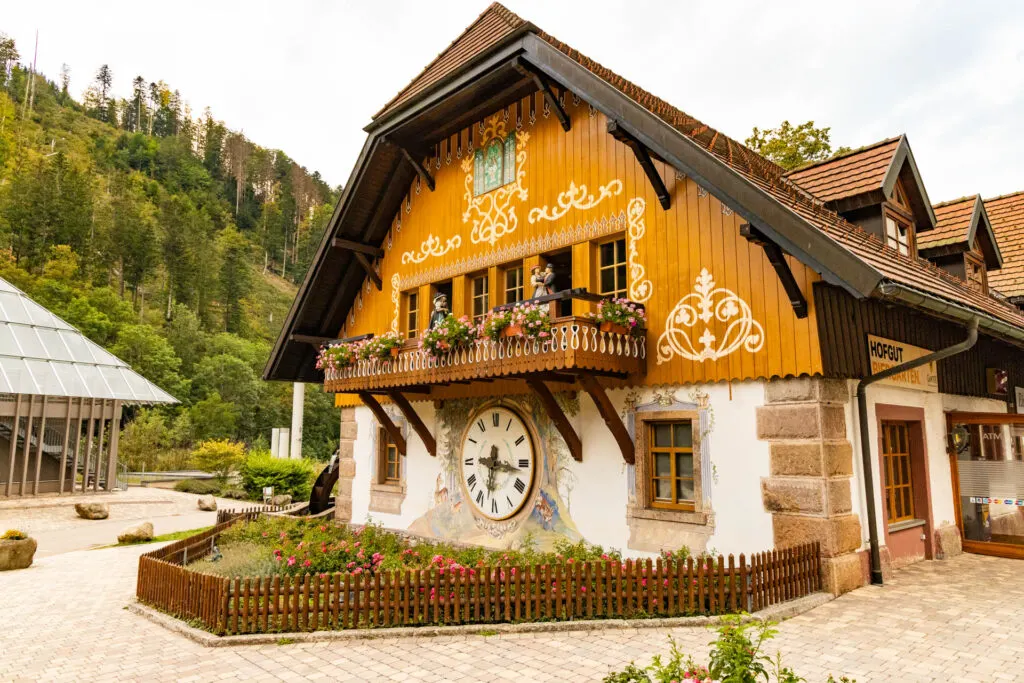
498, 463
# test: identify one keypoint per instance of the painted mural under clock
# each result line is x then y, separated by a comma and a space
553, 306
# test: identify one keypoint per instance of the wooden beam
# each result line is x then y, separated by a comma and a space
611, 417
413, 418
39, 448
423, 173
643, 156
385, 421
26, 446
309, 339
544, 85
545, 376
112, 446
357, 247
368, 267
13, 453
64, 450
557, 416
778, 260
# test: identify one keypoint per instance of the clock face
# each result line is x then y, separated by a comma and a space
498, 463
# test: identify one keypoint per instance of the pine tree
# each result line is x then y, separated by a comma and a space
234, 277
104, 79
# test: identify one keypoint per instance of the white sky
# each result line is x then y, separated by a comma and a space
306, 76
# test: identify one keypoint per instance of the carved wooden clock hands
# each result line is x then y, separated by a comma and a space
495, 464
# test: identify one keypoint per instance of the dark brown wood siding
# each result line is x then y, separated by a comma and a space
845, 322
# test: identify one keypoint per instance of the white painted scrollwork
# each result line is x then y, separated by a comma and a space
431, 247
576, 197
394, 300
640, 288
492, 214
709, 303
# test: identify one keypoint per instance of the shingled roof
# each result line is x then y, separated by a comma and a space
964, 222
1006, 213
849, 174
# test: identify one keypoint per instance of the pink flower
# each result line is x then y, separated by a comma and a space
291, 561
307, 563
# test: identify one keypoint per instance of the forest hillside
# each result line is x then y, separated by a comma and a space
169, 239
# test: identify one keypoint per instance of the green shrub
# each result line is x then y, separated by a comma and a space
219, 456
14, 535
234, 494
200, 486
260, 469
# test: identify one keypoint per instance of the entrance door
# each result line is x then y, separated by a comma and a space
987, 454
899, 480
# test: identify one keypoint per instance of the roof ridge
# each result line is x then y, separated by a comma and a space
966, 197
1003, 196
843, 155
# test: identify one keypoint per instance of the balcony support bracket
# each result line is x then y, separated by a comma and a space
643, 157
413, 418
558, 418
384, 419
778, 260
610, 416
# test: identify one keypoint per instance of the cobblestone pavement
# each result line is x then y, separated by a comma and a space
956, 620
52, 521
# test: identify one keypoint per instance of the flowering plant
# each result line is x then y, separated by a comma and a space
337, 356
494, 324
529, 320
451, 335
380, 347
622, 312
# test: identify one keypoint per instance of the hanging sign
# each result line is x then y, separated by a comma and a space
886, 353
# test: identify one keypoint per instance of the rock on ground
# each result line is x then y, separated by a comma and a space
207, 503
92, 510
136, 533
16, 554
282, 500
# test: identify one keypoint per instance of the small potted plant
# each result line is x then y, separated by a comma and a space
337, 356
16, 550
534, 320
450, 335
386, 346
619, 316
497, 325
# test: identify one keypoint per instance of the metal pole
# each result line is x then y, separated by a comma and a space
865, 443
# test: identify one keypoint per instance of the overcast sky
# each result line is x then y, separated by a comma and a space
306, 76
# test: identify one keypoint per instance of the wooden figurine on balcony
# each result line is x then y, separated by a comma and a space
543, 281
440, 312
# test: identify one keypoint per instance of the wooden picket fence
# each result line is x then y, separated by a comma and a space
582, 590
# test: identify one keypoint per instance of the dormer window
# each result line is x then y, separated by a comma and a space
975, 272
899, 233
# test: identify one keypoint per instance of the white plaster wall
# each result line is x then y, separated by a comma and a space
939, 475
596, 490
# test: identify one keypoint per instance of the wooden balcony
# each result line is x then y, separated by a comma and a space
576, 347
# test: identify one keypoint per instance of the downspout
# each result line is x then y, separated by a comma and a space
865, 443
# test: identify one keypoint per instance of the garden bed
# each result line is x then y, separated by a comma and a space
280, 575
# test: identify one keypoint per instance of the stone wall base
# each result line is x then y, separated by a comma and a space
346, 465
842, 574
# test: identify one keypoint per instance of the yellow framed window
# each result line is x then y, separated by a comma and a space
670, 464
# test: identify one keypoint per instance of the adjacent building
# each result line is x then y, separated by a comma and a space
731, 422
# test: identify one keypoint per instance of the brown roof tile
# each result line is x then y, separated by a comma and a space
1006, 214
847, 175
953, 223
864, 168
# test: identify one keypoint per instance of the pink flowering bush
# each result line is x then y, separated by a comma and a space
451, 335
533, 321
337, 356
380, 347
622, 312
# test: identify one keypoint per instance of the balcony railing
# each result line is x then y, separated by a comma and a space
575, 345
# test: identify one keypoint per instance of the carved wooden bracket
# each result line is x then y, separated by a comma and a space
384, 419
370, 271
643, 156
611, 417
544, 85
561, 422
414, 420
778, 260
363, 253
423, 173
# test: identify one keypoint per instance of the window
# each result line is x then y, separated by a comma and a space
389, 461
974, 273
898, 233
479, 294
494, 164
670, 464
513, 285
899, 487
611, 268
412, 311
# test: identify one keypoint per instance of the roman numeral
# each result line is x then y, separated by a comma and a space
480, 424
471, 440
471, 482
480, 498
510, 503
520, 440
494, 507
509, 424
520, 486
524, 463
469, 461
496, 419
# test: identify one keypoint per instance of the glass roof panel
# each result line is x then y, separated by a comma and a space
31, 347
45, 377
18, 376
72, 381
80, 349
8, 345
102, 356
13, 310
94, 384
117, 383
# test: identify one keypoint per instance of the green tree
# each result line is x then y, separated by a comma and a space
219, 456
213, 418
186, 337
790, 146
234, 277
104, 79
150, 355
142, 439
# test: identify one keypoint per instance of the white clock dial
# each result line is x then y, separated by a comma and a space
498, 463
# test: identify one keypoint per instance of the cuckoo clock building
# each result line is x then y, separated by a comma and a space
686, 329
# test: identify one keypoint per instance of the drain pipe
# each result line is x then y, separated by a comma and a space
865, 443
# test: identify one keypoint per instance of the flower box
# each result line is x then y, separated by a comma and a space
512, 331
614, 328
395, 351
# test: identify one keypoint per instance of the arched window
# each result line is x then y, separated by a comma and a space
494, 164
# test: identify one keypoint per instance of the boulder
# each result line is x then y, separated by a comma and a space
92, 510
16, 554
207, 503
282, 500
136, 534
